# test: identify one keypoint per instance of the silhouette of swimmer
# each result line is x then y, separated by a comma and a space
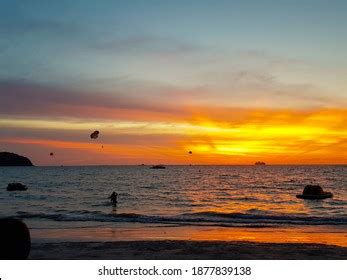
113, 198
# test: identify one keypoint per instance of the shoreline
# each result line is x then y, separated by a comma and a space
324, 235
190, 242
185, 250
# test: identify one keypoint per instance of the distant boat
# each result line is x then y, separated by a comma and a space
159, 166
260, 163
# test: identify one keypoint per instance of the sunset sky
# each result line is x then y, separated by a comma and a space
232, 81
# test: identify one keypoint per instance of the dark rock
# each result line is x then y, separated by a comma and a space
313, 189
11, 159
16, 187
314, 192
14, 240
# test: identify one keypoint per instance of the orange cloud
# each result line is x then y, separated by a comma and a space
219, 136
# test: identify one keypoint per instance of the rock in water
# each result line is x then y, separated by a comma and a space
14, 240
314, 192
11, 159
16, 187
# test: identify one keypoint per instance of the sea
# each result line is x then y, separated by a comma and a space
226, 196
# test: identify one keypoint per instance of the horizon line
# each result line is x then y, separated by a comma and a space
138, 165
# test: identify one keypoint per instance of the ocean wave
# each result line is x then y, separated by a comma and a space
198, 218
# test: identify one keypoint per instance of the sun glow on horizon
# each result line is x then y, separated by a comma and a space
276, 137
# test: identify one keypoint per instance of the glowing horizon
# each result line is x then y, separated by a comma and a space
277, 138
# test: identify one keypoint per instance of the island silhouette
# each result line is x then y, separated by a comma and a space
12, 159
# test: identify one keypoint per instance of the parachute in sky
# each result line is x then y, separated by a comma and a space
190, 152
94, 135
51, 154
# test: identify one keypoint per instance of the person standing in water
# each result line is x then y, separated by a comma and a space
113, 198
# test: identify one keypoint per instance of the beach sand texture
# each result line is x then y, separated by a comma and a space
185, 250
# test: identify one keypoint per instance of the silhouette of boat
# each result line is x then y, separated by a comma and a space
159, 166
260, 163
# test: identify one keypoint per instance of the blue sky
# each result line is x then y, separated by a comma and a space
88, 40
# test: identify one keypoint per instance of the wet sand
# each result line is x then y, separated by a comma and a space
136, 232
180, 249
190, 242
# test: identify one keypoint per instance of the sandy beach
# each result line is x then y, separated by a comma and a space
136, 232
194, 250
138, 242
